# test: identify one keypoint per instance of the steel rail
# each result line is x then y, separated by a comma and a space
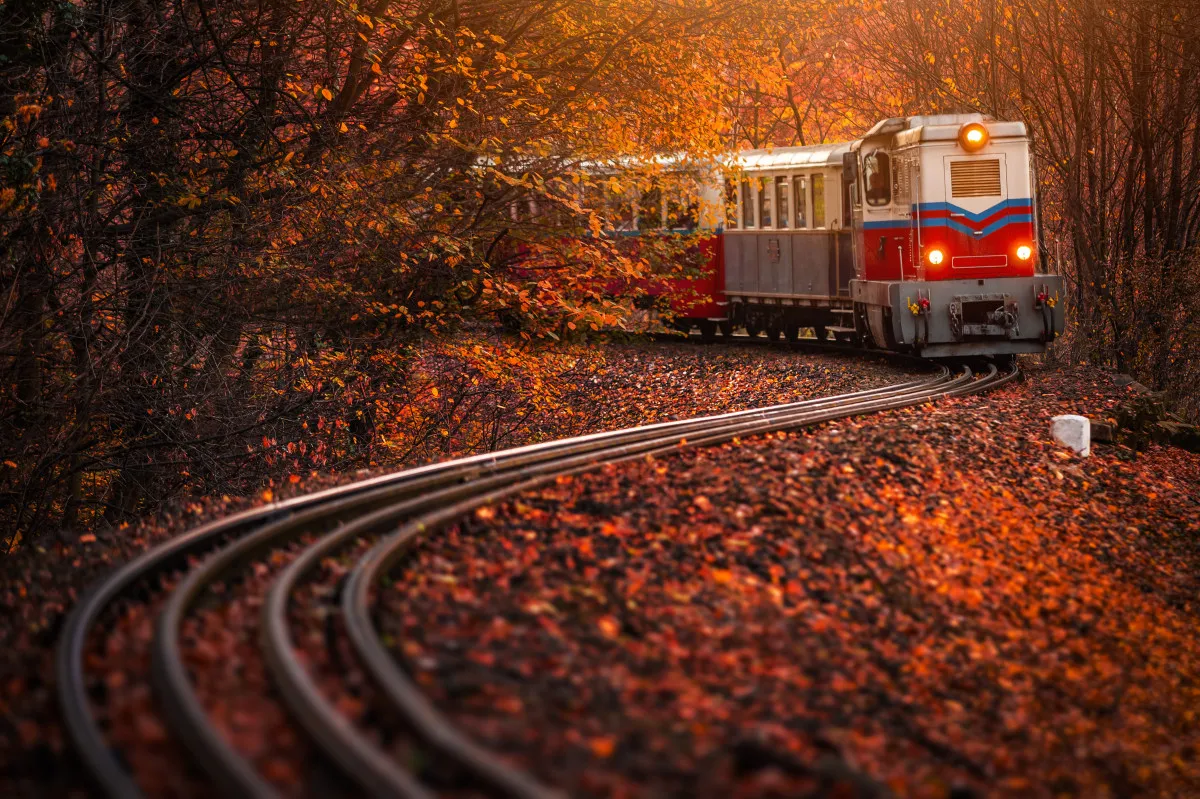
419, 712
130, 579
173, 685
326, 510
358, 756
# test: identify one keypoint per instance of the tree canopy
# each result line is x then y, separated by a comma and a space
229, 224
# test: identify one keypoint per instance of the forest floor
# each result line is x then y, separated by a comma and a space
926, 599
932, 599
535, 395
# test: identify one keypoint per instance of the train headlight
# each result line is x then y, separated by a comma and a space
936, 256
972, 137
1024, 252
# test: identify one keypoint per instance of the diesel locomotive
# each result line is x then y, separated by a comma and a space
921, 236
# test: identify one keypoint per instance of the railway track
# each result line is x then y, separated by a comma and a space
392, 513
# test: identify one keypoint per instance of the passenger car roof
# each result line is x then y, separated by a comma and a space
780, 158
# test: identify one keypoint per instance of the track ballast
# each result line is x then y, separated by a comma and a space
395, 511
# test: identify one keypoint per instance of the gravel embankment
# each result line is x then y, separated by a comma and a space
623, 385
929, 599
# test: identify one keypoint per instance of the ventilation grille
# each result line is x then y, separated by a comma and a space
975, 178
903, 183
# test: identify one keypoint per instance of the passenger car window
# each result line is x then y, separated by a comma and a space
877, 175
683, 213
800, 200
818, 188
650, 210
747, 205
781, 194
765, 190
730, 218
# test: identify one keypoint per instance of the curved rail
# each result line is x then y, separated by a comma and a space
419, 499
418, 711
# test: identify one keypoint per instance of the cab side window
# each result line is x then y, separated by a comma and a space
877, 176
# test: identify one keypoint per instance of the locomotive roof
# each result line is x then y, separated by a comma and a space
939, 127
897, 124
941, 131
906, 130
818, 155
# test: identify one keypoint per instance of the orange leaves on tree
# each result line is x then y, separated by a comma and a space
609, 626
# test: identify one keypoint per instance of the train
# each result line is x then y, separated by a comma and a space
921, 236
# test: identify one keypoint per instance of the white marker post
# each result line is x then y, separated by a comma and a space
1074, 432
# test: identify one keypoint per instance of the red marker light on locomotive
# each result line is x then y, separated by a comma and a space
972, 137
1024, 252
936, 256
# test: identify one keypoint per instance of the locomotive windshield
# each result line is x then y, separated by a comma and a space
877, 171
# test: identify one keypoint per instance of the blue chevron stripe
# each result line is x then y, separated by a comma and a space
954, 224
1015, 204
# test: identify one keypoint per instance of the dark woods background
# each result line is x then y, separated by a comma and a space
226, 227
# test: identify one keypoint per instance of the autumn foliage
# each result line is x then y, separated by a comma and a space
228, 228
937, 601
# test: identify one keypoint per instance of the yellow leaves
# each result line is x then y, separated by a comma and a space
538, 608
609, 626
721, 576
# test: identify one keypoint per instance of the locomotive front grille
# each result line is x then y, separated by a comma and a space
975, 178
